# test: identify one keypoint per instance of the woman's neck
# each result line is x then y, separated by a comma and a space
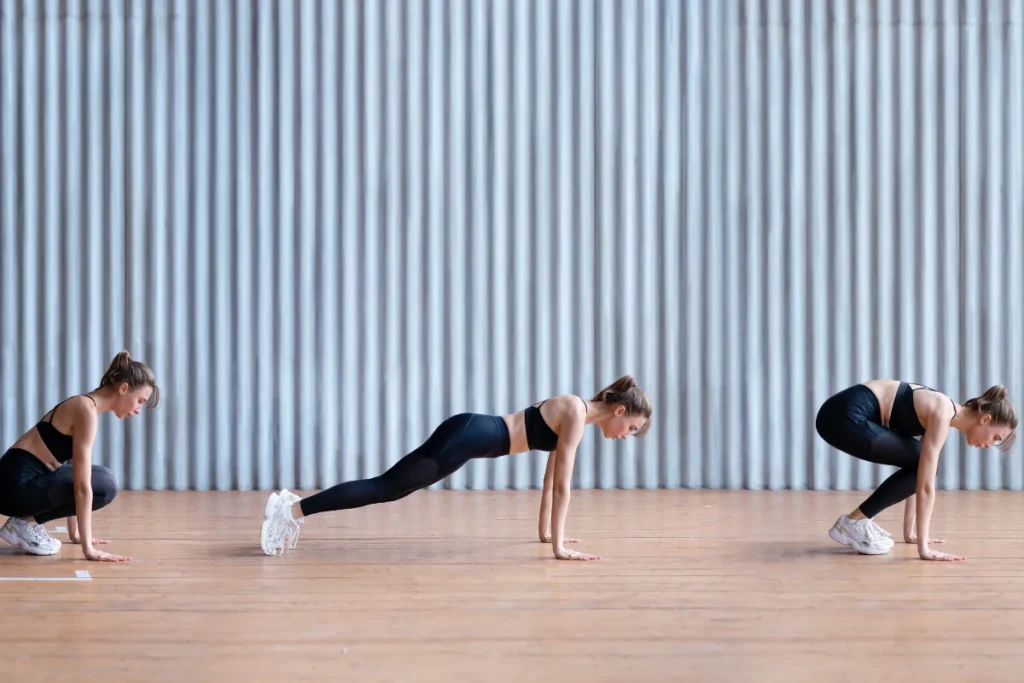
104, 398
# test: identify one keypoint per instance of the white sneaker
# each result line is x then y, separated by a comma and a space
29, 536
280, 530
881, 530
290, 499
862, 535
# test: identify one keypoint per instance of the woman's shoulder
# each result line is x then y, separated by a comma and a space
567, 404
81, 410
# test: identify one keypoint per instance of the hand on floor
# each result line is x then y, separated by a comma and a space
547, 539
913, 539
564, 554
101, 556
77, 541
944, 557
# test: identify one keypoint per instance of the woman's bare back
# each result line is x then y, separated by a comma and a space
553, 410
925, 401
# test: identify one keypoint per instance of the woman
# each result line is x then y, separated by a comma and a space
878, 421
36, 483
555, 425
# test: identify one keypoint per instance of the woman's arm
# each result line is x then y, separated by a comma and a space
910, 523
910, 520
72, 523
565, 456
931, 445
544, 520
81, 464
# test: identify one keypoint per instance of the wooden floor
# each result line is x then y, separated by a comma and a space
453, 586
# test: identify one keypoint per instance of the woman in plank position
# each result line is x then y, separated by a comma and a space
878, 421
48, 473
555, 425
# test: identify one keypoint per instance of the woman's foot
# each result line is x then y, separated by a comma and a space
862, 535
280, 530
29, 536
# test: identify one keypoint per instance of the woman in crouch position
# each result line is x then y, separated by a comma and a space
554, 425
878, 421
48, 473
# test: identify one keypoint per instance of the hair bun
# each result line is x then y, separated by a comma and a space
995, 394
614, 391
124, 369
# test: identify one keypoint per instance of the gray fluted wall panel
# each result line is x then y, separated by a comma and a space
328, 225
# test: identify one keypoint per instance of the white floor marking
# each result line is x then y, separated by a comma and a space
80, 575
61, 530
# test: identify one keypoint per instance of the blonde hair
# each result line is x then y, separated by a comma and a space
995, 402
625, 392
134, 373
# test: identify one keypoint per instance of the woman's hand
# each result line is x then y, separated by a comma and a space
546, 538
73, 538
564, 554
101, 556
912, 538
929, 554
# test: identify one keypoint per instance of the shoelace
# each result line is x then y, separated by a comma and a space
284, 532
880, 530
293, 534
38, 533
293, 528
277, 537
869, 529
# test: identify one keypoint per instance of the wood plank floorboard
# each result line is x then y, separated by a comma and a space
453, 586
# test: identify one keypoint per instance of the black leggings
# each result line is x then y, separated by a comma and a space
455, 442
851, 421
29, 489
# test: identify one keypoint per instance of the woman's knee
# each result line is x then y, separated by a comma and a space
104, 486
897, 450
829, 423
842, 432
821, 421
399, 493
396, 488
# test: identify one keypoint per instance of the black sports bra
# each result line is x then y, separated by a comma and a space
59, 443
903, 417
539, 435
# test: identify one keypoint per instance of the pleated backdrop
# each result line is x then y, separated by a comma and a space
329, 225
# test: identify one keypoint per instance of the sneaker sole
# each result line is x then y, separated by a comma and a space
263, 539
267, 512
17, 542
273, 502
842, 539
288, 499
